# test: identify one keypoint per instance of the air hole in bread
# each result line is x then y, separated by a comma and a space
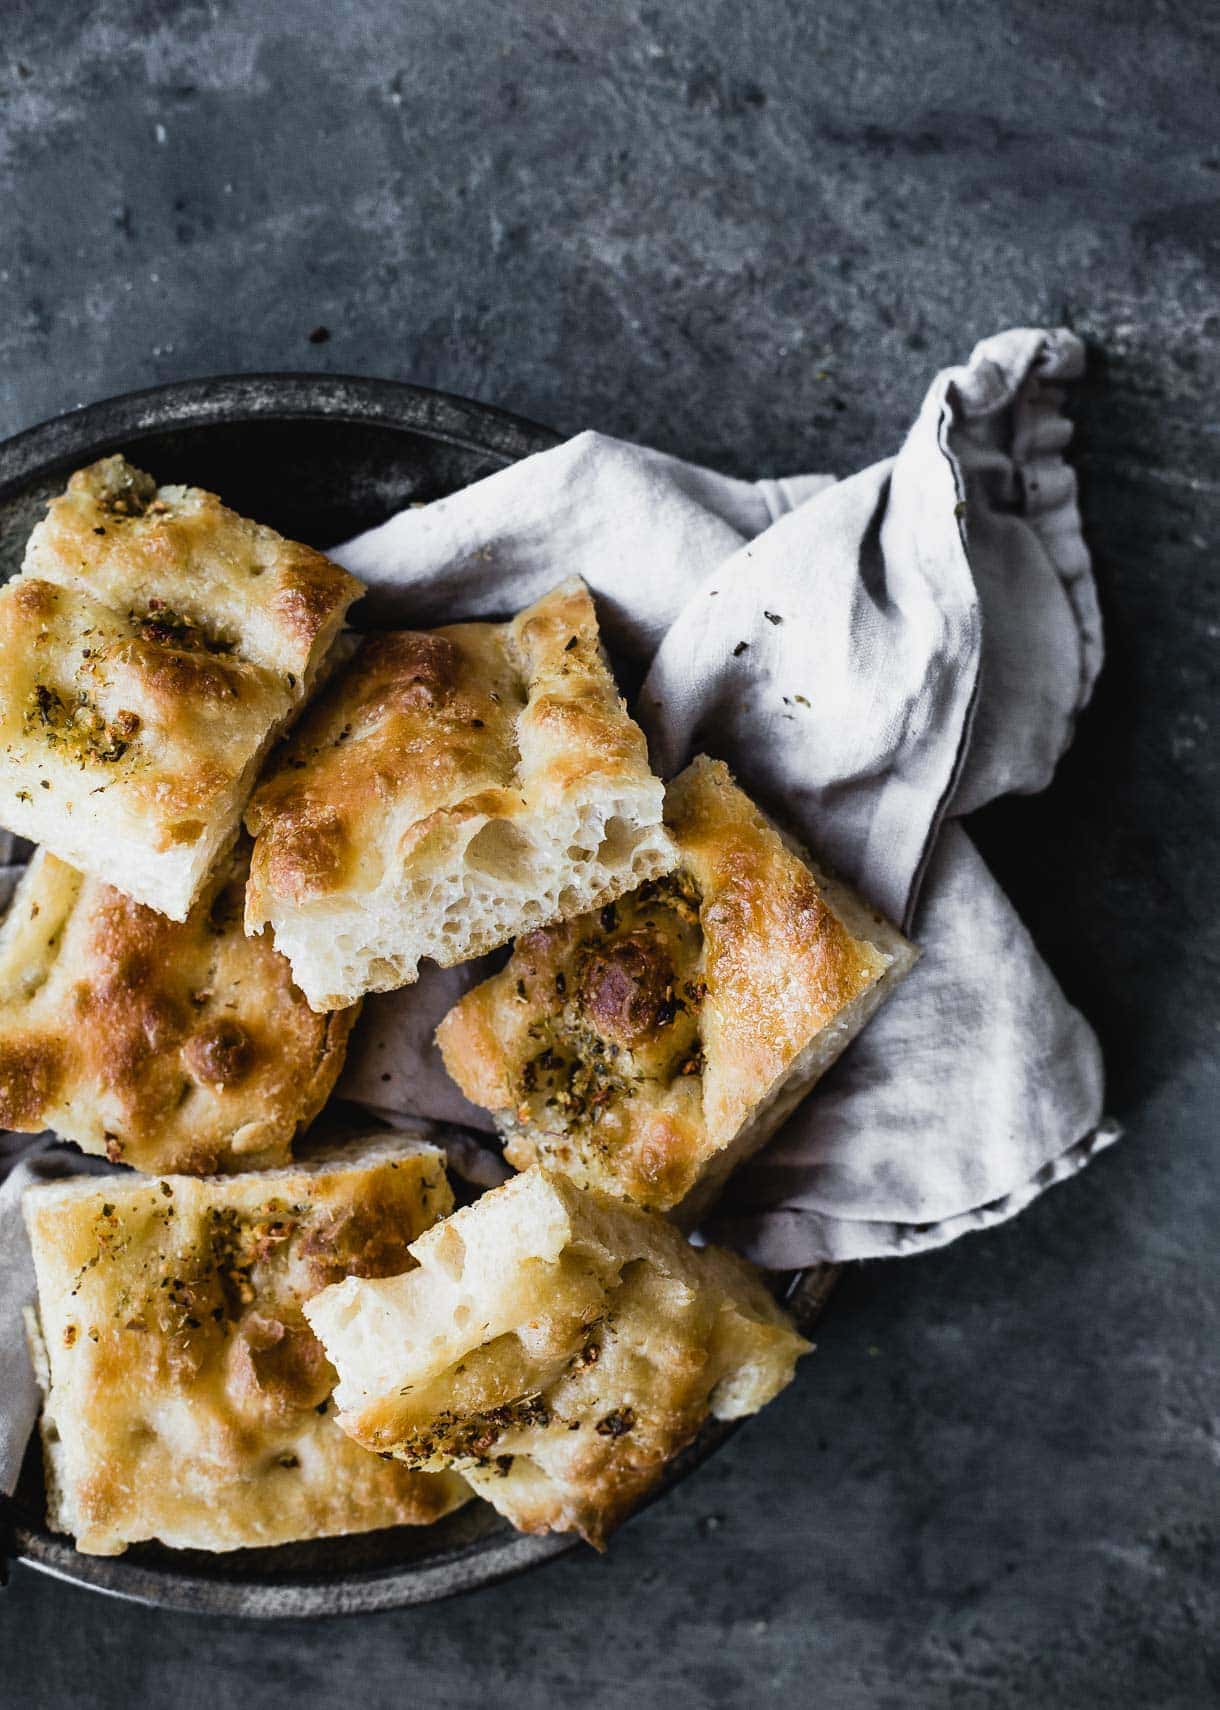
509, 882
450, 1252
502, 851
618, 840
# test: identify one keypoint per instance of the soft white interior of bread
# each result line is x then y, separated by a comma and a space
114, 845
554, 1320
509, 876
466, 1293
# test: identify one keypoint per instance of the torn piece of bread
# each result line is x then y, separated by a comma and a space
454, 787
557, 1347
648, 1048
152, 649
186, 1399
165, 1045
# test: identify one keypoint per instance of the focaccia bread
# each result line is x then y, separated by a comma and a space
165, 1045
454, 787
153, 647
648, 1048
185, 1397
557, 1347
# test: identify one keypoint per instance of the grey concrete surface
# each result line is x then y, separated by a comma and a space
749, 233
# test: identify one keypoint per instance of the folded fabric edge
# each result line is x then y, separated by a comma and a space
997, 377
1034, 387
789, 1238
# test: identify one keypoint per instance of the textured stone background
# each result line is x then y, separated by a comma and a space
749, 233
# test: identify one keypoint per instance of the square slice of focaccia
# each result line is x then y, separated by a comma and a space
151, 650
454, 787
185, 1397
167, 1045
647, 1048
557, 1347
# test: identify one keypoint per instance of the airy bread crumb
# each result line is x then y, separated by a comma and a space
555, 1346
454, 787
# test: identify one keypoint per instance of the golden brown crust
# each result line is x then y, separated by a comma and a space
779, 965
167, 1046
31, 1075
415, 724
558, 1347
187, 1396
632, 1048
152, 647
189, 567
437, 756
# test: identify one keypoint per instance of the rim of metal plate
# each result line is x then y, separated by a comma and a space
230, 398
90, 431
498, 1555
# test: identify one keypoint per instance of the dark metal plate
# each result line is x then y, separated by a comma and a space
319, 458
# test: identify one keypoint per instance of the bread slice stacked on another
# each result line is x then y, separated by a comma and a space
557, 1347
186, 1398
151, 651
179, 999
454, 787
649, 1047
